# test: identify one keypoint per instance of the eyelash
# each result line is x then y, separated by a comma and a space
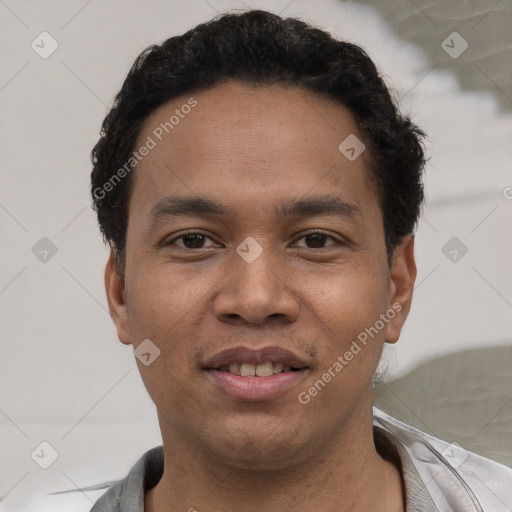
184, 235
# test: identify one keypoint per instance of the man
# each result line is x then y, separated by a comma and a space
259, 191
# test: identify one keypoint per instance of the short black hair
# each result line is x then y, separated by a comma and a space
260, 48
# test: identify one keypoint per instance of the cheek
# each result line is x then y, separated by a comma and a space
352, 295
163, 308
347, 309
161, 299
350, 348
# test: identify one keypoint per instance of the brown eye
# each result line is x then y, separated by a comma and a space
190, 241
317, 240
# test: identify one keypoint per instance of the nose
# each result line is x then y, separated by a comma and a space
256, 292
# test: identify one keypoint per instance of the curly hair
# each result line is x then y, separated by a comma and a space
260, 48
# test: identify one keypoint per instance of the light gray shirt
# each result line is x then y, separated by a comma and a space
436, 476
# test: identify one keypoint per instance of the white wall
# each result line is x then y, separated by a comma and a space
64, 377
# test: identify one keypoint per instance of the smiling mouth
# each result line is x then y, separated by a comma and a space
266, 369
265, 362
250, 374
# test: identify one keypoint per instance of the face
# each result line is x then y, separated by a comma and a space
255, 264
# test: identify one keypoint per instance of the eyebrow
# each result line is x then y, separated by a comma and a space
329, 205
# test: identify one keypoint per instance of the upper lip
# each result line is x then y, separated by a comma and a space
254, 356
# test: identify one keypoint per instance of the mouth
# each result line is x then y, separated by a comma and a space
266, 369
255, 375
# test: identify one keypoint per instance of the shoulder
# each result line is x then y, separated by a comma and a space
456, 479
127, 495
122, 495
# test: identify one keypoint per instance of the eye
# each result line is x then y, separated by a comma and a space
192, 240
197, 240
317, 239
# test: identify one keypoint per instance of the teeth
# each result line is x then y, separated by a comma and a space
234, 368
278, 368
261, 370
265, 370
247, 370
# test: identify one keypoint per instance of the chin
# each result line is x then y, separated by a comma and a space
261, 449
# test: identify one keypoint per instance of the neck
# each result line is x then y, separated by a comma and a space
349, 475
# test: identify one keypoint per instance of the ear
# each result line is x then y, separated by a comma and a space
117, 300
401, 285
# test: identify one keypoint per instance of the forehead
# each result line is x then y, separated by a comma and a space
236, 141
234, 112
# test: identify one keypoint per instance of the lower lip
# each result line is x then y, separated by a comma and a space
256, 388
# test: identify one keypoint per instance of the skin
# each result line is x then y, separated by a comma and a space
251, 149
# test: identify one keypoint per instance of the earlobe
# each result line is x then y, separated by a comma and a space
401, 286
116, 299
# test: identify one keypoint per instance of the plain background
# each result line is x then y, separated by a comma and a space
64, 376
